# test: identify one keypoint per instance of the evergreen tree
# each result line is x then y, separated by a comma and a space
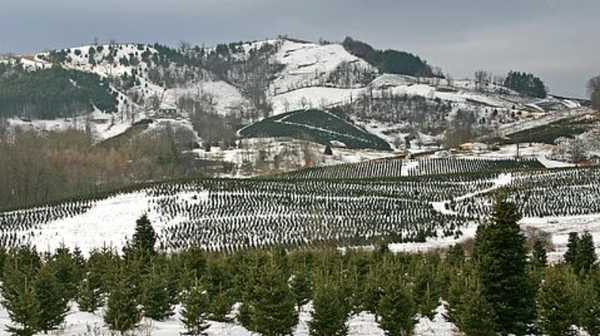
328, 151
104, 264
556, 303
456, 255
301, 287
477, 317
467, 307
585, 257
78, 258
67, 270
144, 238
372, 289
219, 305
589, 306
20, 301
502, 260
155, 296
218, 281
89, 297
539, 258
397, 310
274, 313
425, 291
195, 310
571, 253
330, 308
526, 84
122, 313
52, 299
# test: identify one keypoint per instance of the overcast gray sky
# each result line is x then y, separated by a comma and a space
556, 39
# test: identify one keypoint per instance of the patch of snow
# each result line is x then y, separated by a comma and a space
108, 222
560, 227
312, 97
309, 64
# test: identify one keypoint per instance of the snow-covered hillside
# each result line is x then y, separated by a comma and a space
253, 80
309, 64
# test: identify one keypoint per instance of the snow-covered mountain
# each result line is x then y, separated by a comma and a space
253, 80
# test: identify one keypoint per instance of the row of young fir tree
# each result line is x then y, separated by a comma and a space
495, 287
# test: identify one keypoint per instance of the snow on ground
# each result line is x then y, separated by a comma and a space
306, 64
226, 96
363, 324
312, 97
439, 326
393, 133
519, 126
103, 125
46, 125
107, 223
433, 244
560, 227
390, 80
468, 231
282, 155
78, 58
34, 63
408, 166
539, 151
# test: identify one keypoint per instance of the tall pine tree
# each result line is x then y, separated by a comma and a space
502, 260
585, 256
571, 253
539, 257
144, 239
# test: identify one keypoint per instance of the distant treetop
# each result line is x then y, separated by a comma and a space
390, 61
526, 84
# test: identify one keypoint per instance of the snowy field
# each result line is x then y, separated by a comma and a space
176, 209
290, 155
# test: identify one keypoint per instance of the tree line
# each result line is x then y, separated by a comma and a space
526, 84
390, 61
42, 167
52, 93
500, 284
